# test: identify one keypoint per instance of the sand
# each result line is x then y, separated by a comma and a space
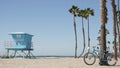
50, 63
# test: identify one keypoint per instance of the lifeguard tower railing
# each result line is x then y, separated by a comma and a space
22, 45
10, 44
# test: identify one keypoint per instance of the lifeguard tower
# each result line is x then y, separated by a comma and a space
22, 44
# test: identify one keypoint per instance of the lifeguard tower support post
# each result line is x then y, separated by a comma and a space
22, 43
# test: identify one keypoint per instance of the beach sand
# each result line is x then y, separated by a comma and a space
50, 63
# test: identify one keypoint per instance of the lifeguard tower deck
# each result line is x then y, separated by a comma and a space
22, 44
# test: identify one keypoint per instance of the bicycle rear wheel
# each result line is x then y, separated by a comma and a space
111, 60
89, 58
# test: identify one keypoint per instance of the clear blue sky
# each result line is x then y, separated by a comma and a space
50, 23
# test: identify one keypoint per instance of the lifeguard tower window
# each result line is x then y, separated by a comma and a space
17, 43
18, 36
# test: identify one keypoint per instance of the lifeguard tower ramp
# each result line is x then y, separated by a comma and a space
22, 45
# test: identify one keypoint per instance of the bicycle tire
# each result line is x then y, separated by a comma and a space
89, 58
111, 60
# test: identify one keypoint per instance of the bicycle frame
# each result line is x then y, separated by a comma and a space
95, 52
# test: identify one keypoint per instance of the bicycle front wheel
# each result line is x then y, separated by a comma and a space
111, 59
89, 58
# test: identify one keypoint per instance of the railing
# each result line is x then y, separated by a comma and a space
9, 44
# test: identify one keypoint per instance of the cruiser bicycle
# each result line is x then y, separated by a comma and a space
90, 57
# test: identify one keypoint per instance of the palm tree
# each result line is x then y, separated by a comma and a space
81, 13
88, 13
114, 25
73, 11
103, 17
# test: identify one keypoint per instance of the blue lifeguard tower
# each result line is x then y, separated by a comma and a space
22, 43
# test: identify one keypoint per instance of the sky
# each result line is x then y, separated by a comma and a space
50, 23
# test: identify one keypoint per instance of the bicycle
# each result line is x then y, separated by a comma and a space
90, 57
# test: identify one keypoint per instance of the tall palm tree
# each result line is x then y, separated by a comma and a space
89, 12
81, 13
73, 10
114, 25
103, 19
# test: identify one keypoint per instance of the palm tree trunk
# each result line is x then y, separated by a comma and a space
118, 36
114, 26
83, 38
103, 17
118, 31
119, 43
118, 27
88, 36
115, 37
75, 30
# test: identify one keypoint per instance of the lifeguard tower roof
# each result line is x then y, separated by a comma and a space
19, 33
